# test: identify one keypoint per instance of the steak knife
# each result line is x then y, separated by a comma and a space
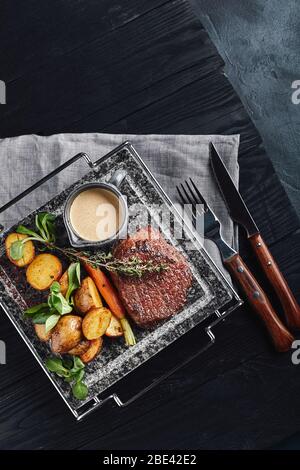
240, 214
282, 338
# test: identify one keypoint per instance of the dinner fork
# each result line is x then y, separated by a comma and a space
190, 195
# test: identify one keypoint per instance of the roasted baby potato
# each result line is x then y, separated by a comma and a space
96, 322
114, 328
81, 348
29, 250
87, 296
40, 330
43, 270
64, 283
66, 334
93, 351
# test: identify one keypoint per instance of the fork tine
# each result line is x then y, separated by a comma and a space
183, 200
189, 197
193, 196
190, 200
201, 198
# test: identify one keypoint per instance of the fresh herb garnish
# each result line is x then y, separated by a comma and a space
132, 267
49, 313
72, 371
44, 222
45, 234
57, 301
17, 250
51, 321
80, 390
39, 313
73, 280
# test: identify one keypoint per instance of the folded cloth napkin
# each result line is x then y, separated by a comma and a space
172, 158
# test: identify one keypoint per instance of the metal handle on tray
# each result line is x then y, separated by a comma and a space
96, 402
62, 167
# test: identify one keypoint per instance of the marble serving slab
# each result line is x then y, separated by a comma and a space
210, 292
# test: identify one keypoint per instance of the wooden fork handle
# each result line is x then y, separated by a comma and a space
273, 273
259, 301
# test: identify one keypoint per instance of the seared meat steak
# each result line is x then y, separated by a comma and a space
155, 296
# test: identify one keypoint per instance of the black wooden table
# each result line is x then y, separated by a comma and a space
147, 67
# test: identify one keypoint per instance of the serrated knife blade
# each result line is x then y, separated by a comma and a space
236, 206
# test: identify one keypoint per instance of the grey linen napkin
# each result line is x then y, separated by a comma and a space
172, 158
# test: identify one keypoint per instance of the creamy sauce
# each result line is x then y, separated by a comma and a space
95, 214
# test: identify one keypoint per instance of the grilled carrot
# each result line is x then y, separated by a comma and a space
112, 299
107, 290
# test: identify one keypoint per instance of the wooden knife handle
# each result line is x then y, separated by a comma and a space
281, 337
273, 273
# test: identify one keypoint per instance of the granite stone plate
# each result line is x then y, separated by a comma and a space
210, 294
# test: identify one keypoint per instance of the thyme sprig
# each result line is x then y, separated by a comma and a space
45, 234
133, 266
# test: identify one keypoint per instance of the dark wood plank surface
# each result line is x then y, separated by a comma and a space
147, 67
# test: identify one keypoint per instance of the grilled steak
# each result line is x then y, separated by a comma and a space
155, 296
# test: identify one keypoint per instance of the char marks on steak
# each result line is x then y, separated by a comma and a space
155, 296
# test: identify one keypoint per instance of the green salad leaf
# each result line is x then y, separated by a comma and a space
26, 231
44, 222
55, 287
17, 250
49, 313
30, 312
45, 233
54, 364
51, 322
77, 365
72, 371
38, 313
73, 279
80, 390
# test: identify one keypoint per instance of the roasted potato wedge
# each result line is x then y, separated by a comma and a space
40, 330
93, 351
87, 296
66, 334
29, 250
64, 283
43, 270
81, 348
114, 329
96, 322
